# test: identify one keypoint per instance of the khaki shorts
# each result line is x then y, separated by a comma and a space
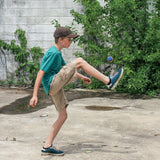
65, 76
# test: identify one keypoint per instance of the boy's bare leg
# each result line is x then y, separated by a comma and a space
81, 63
56, 127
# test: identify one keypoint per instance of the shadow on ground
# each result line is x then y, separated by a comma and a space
94, 146
21, 105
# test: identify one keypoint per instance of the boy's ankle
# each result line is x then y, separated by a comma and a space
46, 146
109, 80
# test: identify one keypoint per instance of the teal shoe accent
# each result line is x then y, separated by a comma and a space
115, 79
51, 151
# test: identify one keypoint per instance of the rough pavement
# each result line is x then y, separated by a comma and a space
129, 133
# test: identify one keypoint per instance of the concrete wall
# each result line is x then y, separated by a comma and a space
34, 16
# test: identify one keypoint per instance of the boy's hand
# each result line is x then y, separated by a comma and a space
86, 80
33, 101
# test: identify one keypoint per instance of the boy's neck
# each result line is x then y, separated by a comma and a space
58, 47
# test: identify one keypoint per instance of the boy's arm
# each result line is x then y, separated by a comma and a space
34, 99
85, 79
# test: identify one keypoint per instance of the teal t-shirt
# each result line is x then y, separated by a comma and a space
51, 64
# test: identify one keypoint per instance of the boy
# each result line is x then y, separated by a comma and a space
55, 74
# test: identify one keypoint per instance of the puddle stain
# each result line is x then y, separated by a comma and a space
21, 105
103, 108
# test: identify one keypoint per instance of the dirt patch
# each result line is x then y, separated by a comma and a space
103, 108
21, 105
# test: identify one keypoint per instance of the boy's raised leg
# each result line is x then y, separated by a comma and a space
111, 82
81, 63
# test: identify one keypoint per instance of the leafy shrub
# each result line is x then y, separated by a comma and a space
27, 59
130, 32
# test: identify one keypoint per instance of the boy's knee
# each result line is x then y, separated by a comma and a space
80, 59
79, 62
63, 116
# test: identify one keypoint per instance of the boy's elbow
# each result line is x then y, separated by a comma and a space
41, 72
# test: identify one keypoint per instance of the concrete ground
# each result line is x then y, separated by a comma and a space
129, 131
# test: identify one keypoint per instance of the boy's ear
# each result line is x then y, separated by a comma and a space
60, 39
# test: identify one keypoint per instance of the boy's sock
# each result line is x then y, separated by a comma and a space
109, 81
47, 147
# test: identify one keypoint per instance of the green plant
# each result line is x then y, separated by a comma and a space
94, 39
70, 86
135, 38
27, 59
128, 31
2, 82
34, 63
10, 81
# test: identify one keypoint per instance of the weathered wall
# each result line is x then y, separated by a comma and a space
33, 16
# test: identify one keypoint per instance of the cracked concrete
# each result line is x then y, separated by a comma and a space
130, 133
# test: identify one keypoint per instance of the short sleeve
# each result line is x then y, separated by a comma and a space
49, 61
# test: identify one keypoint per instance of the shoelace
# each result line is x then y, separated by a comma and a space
53, 147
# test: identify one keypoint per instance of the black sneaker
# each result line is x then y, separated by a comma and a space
115, 79
51, 151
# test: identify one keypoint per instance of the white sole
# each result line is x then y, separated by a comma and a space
47, 154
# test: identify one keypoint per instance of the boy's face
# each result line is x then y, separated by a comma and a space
66, 42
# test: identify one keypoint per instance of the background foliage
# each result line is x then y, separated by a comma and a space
27, 59
128, 31
135, 35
